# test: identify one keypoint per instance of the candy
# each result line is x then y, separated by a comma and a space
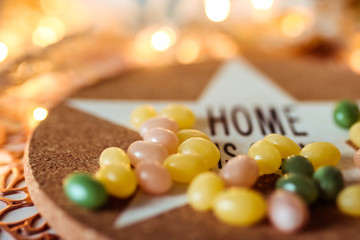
184, 167
114, 156
239, 206
357, 158
330, 182
285, 145
180, 114
240, 171
287, 211
84, 190
203, 189
297, 164
299, 184
266, 156
163, 122
118, 181
348, 200
321, 154
185, 134
163, 136
202, 147
355, 134
141, 114
140, 151
153, 178
346, 113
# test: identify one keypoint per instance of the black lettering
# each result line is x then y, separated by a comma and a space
234, 117
271, 123
227, 151
292, 120
220, 119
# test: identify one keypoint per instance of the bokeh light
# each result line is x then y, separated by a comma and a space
220, 45
354, 60
163, 39
293, 25
217, 10
54, 23
40, 113
3, 51
188, 50
44, 36
262, 4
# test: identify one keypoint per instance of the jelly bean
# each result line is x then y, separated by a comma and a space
240, 171
330, 182
84, 190
146, 151
163, 136
355, 134
285, 145
321, 154
239, 206
266, 156
181, 114
114, 156
346, 113
287, 211
203, 189
163, 122
141, 114
184, 167
118, 181
348, 200
153, 178
185, 134
297, 164
299, 184
357, 158
202, 147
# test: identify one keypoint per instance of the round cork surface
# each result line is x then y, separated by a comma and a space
71, 140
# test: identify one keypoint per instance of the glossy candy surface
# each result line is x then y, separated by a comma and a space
185, 134
153, 178
285, 145
118, 181
84, 190
357, 158
287, 211
239, 206
141, 114
346, 113
240, 171
299, 184
114, 156
266, 156
203, 148
163, 122
330, 182
163, 136
348, 200
355, 134
141, 151
297, 164
321, 154
181, 114
203, 189
184, 167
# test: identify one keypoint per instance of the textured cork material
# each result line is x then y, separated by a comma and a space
70, 140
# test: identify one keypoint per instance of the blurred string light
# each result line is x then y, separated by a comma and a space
163, 39
262, 4
3, 51
43, 36
354, 60
217, 10
40, 114
188, 50
293, 25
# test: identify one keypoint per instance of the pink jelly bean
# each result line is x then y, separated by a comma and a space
164, 137
357, 158
163, 122
141, 151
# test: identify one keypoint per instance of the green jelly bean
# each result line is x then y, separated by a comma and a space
84, 190
299, 184
297, 164
330, 182
346, 113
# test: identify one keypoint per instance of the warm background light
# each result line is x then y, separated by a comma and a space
188, 50
354, 60
217, 10
40, 114
163, 39
220, 45
44, 36
54, 23
293, 25
3, 51
262, 4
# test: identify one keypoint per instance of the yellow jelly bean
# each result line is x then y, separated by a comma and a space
348, 200
114, 156
202, 147
203, 189
239, 206
141, 114
321, 154
266, 156
185, 134
184, 167
355, 134
181, 114
118, 181
285, 145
